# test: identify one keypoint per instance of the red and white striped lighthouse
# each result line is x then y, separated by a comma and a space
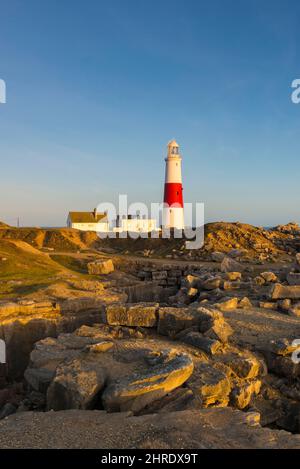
173, 216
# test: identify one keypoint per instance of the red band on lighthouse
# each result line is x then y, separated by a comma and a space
173, 194
173, 200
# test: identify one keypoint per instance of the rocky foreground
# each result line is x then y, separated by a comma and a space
204, 429
149, 353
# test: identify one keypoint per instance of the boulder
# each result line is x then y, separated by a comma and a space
100, 267
228, 285
233, 276
136, 391
244, 303
211, 283
39, 379
269, 277
268, 305
220, 330
173, 320
211, 385
244, 367
284, 305
206, 344
132, 315
51, 352
282, 365
217, 256
295, 310
75, 385
280, 292
242, 395
293, 278
7, 409
259, 280
192, 281
227, 304
212, 324
230, 265
192, 292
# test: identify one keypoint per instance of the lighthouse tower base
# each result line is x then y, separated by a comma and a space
173, 217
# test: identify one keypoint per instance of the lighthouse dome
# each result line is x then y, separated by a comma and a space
173, 143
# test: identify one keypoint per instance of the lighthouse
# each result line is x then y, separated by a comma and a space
173, 216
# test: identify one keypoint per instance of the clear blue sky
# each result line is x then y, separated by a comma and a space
95, 89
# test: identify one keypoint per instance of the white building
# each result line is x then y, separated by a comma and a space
135, 224
88, 221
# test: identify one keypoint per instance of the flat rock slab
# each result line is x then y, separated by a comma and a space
280, 292
205, 428
132, 315
136, 391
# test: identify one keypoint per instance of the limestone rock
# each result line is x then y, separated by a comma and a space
206, 344
228, 285
7, 409
217, 256
245, 367
284, 305
192, 281
230, 265
192, 292
101, 267
211, 283
136, 391
132, 315
211, 385
293, 278
241, 395
227, 305
259, 280
233, 276
295, 310
220, 330
244, 303
102, 346
173, 320
269, 277
268, 305
75, 385
280, 292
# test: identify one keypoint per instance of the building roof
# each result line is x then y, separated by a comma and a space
87, 217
